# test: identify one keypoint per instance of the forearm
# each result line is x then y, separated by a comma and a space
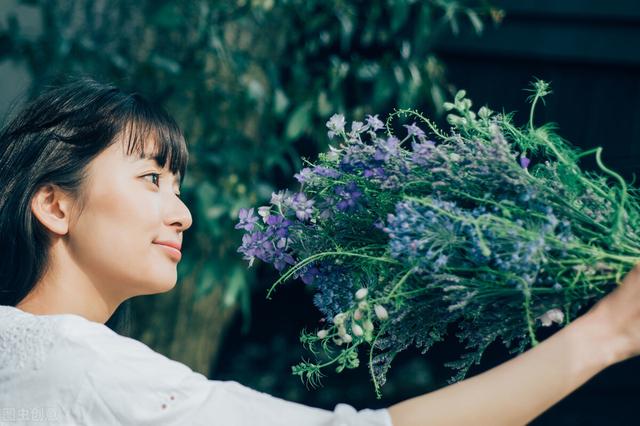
516, 392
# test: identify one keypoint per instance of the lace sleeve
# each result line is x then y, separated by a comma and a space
126, 382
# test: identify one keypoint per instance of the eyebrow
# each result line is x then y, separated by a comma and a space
148, 157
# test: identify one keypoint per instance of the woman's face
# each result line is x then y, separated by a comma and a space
127, 210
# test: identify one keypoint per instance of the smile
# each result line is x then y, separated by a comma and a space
173, 252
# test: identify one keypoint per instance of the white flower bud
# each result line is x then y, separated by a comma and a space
342, 330
347, 338
339, 318
357, 330
322, 334
381, 312
357, 315
551, 316
363, 305
337, 341
362, 293
368, 325
264, 211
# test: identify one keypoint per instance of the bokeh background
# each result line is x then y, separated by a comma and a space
252, 83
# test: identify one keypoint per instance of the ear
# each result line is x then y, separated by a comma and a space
52, 207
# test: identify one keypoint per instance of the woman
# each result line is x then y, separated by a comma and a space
90, 216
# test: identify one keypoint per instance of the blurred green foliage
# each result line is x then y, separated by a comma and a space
251, 82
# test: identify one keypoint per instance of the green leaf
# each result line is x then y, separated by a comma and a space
475, 21
206, 280
238, 291
299, 121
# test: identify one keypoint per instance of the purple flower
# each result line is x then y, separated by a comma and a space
309, 274
281, 259
279, 198
357, 156
304, 175
326, 172
302, 206
413, 130
247, 219
376, 172
335, 125
267, 247
349, 194
278, 225
524, 162
385, 149
255, 245
422, 152
374, 122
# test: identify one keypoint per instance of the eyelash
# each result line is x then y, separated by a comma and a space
158, 185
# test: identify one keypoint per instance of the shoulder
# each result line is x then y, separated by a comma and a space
95, 375
107, 355
74, 346
25, 340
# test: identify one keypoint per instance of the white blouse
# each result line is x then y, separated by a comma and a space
66, 370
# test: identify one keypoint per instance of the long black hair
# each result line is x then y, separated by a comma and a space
51, 140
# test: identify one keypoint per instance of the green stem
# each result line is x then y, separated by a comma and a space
317, 256
376, 386
617, 226
399, 284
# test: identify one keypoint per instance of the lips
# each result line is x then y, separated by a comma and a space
172, 244
171, 248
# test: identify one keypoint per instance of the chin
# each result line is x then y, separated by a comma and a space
167, 286
160, 285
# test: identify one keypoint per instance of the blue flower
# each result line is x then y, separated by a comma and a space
308, 274
335, 288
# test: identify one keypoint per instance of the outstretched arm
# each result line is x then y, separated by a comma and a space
516, 392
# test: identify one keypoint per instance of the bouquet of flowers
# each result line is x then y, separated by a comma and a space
490, 225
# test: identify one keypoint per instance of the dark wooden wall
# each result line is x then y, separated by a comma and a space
590, 52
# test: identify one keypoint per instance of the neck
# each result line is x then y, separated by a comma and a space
67, 289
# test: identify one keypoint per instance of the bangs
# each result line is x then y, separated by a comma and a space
146, 123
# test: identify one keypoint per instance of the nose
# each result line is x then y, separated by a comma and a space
178, 215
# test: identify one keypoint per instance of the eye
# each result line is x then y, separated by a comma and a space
156, 175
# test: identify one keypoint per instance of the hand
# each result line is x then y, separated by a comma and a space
617, 315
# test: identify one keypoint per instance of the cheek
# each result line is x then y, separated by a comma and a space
115, 231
